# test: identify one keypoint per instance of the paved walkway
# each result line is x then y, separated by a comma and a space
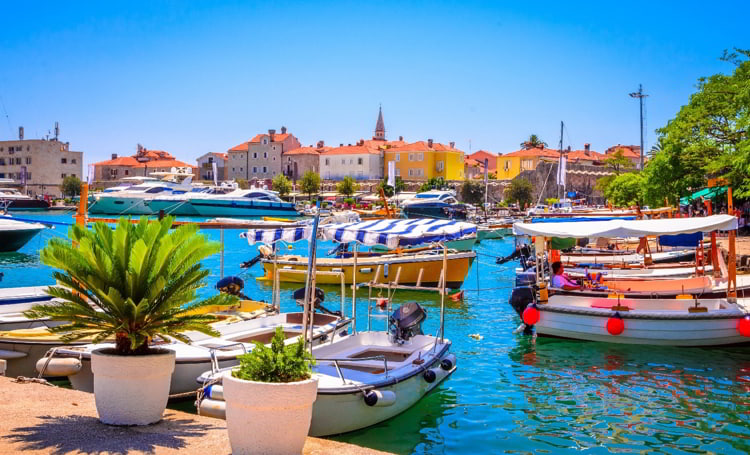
39, 419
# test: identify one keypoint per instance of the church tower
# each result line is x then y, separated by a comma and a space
379, 126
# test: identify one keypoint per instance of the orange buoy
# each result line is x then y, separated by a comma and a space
615, 325
530, 314
743, 326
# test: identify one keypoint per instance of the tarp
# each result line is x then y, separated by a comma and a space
688, 240
273, 235
579, 219
628, 228
395, 233
705, 193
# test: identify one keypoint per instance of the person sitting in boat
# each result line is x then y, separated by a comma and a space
561, 281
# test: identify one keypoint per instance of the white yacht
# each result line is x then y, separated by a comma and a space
132, 201
252, 202
13, 200
178, 203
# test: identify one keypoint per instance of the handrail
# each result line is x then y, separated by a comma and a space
215, 361
361, 359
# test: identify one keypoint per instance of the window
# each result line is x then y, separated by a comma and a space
241, 169
351, 161
18, 160
359, 161
113, 173
265, 141
265, 154
63, 160
527, 165
73, 161
11, 175
255, 154
127, 172
420, 156
265, 169
328, 161
398, 157
398, 172
2, 175
440, 166
343, 161
28, 160
289, 159
411, 157
62, 175
232, 169
255, 170
507, 165
28, 176
2, 161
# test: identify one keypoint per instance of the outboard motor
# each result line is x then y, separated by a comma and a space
318, 297
520, 297
232, 285
406, 322
526, 278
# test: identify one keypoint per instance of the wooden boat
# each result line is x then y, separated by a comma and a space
686, 319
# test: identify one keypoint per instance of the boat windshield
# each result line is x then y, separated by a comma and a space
262, 197
425, 196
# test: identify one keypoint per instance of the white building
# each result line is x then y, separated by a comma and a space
357, 161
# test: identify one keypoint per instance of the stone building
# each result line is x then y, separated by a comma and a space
206, 166
580, 178
141, 164
260, 157
42, 163
357, 161
296, 162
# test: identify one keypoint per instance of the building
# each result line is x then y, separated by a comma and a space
296, 162
473, 169
423, 160
512, 164
482, 155
206, 166
585, 156
357, 161
39, 164
260, 157
142, 164
631, 152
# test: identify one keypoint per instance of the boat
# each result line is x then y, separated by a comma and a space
685, 319
178, 203
242, 203
367, 377
13, 200
132, 201
418, 269
15, 234
494, 229
434, 204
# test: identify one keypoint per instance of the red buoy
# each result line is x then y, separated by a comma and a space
743, 326
615, 325
530, 315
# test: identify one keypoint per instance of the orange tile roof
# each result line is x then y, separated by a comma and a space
119, 161
243, 147
163, 163
473, 162
534, 152
576, 155
627, 151
306, 151
421, 146
351, 150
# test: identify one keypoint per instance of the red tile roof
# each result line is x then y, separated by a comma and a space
534, 152
591, 155
119, 161
351, 150
243, 147
163, 163
306, 151
422, 146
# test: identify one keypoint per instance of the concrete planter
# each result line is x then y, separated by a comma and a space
268, 418
131, 390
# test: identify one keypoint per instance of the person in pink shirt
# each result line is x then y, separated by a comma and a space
561, 281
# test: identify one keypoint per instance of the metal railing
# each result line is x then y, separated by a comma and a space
363, 359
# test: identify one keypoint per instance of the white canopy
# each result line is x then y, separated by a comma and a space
395, 233
628, 228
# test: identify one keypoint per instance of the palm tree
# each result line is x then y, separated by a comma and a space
533, 142
135, 282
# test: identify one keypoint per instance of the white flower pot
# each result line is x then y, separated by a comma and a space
131, 390
268, 418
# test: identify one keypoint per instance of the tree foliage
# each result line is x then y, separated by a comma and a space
347, 186
142, 277
389, 190
71, 186
617, 164
310, 183
281, 185
519, 191
625, 190
434, 183
279, 363
533, 142
472, 192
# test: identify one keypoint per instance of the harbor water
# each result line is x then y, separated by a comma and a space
510, 393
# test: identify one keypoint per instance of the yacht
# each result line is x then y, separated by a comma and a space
13, 200
178, 203
434, 204
132, 201
15, 234
252, 202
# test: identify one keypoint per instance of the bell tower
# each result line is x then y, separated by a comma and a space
379, 126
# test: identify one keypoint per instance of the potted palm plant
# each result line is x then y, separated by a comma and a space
129, 285
269, 398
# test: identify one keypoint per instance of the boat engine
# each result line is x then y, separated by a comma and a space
406, 322
232, 285
318, 299
521, 297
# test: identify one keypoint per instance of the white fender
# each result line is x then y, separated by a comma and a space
380, 398
59, 366
213, 408
214, 392
3, 365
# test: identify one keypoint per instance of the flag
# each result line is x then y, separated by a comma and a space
90, 178
22, 175
561, 171
392, 173
216, 176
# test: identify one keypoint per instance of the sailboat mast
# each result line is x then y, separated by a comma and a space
559, 161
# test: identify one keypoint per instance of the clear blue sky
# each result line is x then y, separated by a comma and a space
192, 77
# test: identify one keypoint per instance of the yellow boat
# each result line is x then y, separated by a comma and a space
408, 269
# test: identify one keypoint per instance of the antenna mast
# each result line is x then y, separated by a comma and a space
559, 161
640, 95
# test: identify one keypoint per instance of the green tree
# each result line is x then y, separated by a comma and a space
282, 185
472, 192
310, 183
434, 183
533, 142
135, 282
551, 200
347, 186
520, 191
389, 190
71, 186
617, 163
625, 190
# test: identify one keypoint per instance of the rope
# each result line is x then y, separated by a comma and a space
25, 380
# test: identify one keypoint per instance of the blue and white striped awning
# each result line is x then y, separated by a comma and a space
273, 235
395, 233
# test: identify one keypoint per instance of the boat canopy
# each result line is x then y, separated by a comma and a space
273, 235
395, 233
705, 193
628, 228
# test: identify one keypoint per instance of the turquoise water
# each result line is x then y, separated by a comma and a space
510, 395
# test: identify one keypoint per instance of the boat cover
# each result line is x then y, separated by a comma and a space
395, 233
628, 228
273, 235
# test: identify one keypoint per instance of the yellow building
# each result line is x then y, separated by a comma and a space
425, 160
512, 164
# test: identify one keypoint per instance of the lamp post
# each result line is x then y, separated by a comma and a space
640, 95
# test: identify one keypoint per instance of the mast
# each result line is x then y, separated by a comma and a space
559, 162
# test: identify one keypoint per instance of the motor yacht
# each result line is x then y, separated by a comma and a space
434, 204
13, 200
15, 234
252, 202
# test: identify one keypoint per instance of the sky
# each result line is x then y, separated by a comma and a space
196, 77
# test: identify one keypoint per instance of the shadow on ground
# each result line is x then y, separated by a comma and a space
84, 434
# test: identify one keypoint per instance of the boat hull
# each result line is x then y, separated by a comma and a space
25, 205
381, 269
215, 208
14, 240
172, 207
440, 211
112, 205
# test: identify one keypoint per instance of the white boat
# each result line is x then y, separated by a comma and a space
178, 203
684, 320
13, 200
252, 202
132, 200
14, 301
15, 234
